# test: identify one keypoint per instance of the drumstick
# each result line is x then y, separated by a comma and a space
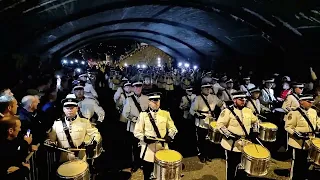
75, 149
259, 142
256, 147
61, 149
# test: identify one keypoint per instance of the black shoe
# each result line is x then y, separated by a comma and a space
208, 159
202, 159
134, 169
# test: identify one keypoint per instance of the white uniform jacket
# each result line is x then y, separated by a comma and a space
89, 106
296, 122
131, 112
90, 91
199, 107
185, 104
144, 128
119, 98
267, 97
246, 88
226, 94
80, 130
229, 121
257, 104
291, 102
217, 88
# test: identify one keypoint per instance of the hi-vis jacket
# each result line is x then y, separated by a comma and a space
296, 122
199, 107
144, 128
81, 131
131, 112
229, 121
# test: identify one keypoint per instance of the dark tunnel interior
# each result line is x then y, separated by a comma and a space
278, 35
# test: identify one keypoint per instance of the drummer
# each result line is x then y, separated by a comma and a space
292, 100
146, 131
253, 102
300, 133
234, 133
203, 115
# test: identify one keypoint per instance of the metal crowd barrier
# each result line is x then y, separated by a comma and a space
51, 160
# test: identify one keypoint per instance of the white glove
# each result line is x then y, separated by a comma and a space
134, 119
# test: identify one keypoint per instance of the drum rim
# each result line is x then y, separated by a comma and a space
251, 157
268, 128
174, 162
313, 145
78, 175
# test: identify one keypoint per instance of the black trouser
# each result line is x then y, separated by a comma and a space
233, 160
300, 164
135, 150
147, 170
202, 142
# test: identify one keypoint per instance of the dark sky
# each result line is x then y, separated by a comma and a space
114, 48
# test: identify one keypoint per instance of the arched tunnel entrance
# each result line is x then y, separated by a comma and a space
222, 36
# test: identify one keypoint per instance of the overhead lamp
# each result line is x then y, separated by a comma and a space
58, 76
76, 60
144, 66
125, 65
71, 62
78, 70
183, 70
82, 62
159, 59
195, 67
138, 66
179, 64
65, 61
159, 65
186, 65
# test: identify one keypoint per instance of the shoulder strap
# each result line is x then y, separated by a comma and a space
254, 106
66, 131
269, 96
295, 97
207, 104
307, 119
155, 127
189, 100
239, 121
136, 103
124, 93
228, 94
247, 89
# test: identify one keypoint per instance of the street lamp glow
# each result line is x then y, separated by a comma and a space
65, 61
159, 65
125, 64
82, 62
179, 64
186, 65
159, 59
76, 60
78, 70
144, 66
195, 67
138, 66
71, 62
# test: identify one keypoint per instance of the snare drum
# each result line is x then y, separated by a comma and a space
75, 170
268, 132
255, 159
168, 165
96, 151
214, 135
314, 152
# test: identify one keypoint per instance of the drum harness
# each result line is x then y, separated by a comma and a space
208, 106
138, 107
229, 96
66, 131
124, 93
309, 123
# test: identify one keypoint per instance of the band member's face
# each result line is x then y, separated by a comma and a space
127, 89
268, 85
240, 102
229, 85
298, 90
70, 111
79, 93
154, 104
147, 81
247, 81
306, 104
137, 90
205, 91
255, 95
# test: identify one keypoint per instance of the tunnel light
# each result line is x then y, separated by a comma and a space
138, 66
179, 64
159, 65
65, 61
76, 60
195, 67
186, 65
58, 76
183, 70
144, 66
125, 65
71, 62
82, 62
78, 70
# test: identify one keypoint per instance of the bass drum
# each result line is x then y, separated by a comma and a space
74, 170
268, 132
168, 165
314, 152
214, 134
255, 159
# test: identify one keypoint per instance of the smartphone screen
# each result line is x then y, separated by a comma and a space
28, 132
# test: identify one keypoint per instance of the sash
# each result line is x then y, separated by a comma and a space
228, 94
254, 106
136, 103
124, 93
307, 119
208, 106
239, 121
66, 131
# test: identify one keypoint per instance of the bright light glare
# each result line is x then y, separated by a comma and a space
180, 64
138, 66
78, 70
76, 60
195, 67
159, 65
183, 70
71, 62
125, 64
144, 66
159, 59
82, 62
186, 65
65, 61
58, 76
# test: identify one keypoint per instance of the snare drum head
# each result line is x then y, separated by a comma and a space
213, 124
269, 125
316, 142
256, 151
168, 155
72, 168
